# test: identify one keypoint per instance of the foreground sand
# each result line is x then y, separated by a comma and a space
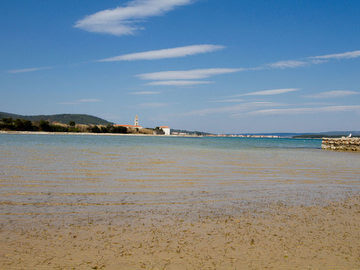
281, 237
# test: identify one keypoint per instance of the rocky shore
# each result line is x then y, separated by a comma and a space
341, 144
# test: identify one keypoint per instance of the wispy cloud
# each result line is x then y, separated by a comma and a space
179, 83
311, 60
124, 20
270, 92
187, 74
153, 105
235, 99
192, 77
288, 64
345, 55
231, 109
333, 94
89, 100
145, 93
24, 70
165, 53
80, 101
307, 110
230, 100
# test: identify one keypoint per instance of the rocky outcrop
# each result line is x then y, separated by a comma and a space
341, 144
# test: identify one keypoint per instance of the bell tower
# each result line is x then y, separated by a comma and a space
136, 121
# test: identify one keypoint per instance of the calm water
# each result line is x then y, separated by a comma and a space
62, 174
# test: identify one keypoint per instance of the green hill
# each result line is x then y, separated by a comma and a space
61, 118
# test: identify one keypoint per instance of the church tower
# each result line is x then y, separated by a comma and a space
136, 121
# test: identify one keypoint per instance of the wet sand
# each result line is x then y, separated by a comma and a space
281, 237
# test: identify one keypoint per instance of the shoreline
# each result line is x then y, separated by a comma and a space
131, 134
88, 133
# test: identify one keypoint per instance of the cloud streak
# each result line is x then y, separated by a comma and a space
165, 53
306, 110
153, 105
175, 77
345, 55
229, 100
145, 93
89, 100
312, 60
234, 109
193, 74
24, 70
179, 83
270, 92
81, 101
334, 94
288, 64
124, 20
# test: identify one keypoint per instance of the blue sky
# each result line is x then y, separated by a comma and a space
211, 65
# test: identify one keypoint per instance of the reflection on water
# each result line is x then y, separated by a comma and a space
47, 174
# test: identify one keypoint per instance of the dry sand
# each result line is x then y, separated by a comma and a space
281, 237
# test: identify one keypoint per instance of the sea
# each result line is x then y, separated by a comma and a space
95, 175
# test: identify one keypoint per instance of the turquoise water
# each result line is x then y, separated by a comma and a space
197, 142
82, 174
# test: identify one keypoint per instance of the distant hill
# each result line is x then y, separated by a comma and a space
61, 118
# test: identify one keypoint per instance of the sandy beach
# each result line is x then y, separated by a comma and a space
282, 237
90, 202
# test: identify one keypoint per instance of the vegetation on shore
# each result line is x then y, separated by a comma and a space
84, 119
10, 124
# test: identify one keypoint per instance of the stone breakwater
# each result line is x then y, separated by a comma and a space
341, 144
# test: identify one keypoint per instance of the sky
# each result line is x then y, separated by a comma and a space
218, 66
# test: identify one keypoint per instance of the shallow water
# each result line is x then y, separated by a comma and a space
62, 174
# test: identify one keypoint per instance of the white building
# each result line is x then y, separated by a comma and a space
166, 130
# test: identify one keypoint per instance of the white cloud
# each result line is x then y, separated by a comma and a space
231, 109
334, 94
313, 60
174, 77
345, 55
124, 20
165, 53
318, 61
187, 74
307, 110
84, 100
145, 93
89, 100
288, 64
14, 71
179, 83
153, 105
230, 100
270, 92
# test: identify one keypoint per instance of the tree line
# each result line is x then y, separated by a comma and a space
11, 124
